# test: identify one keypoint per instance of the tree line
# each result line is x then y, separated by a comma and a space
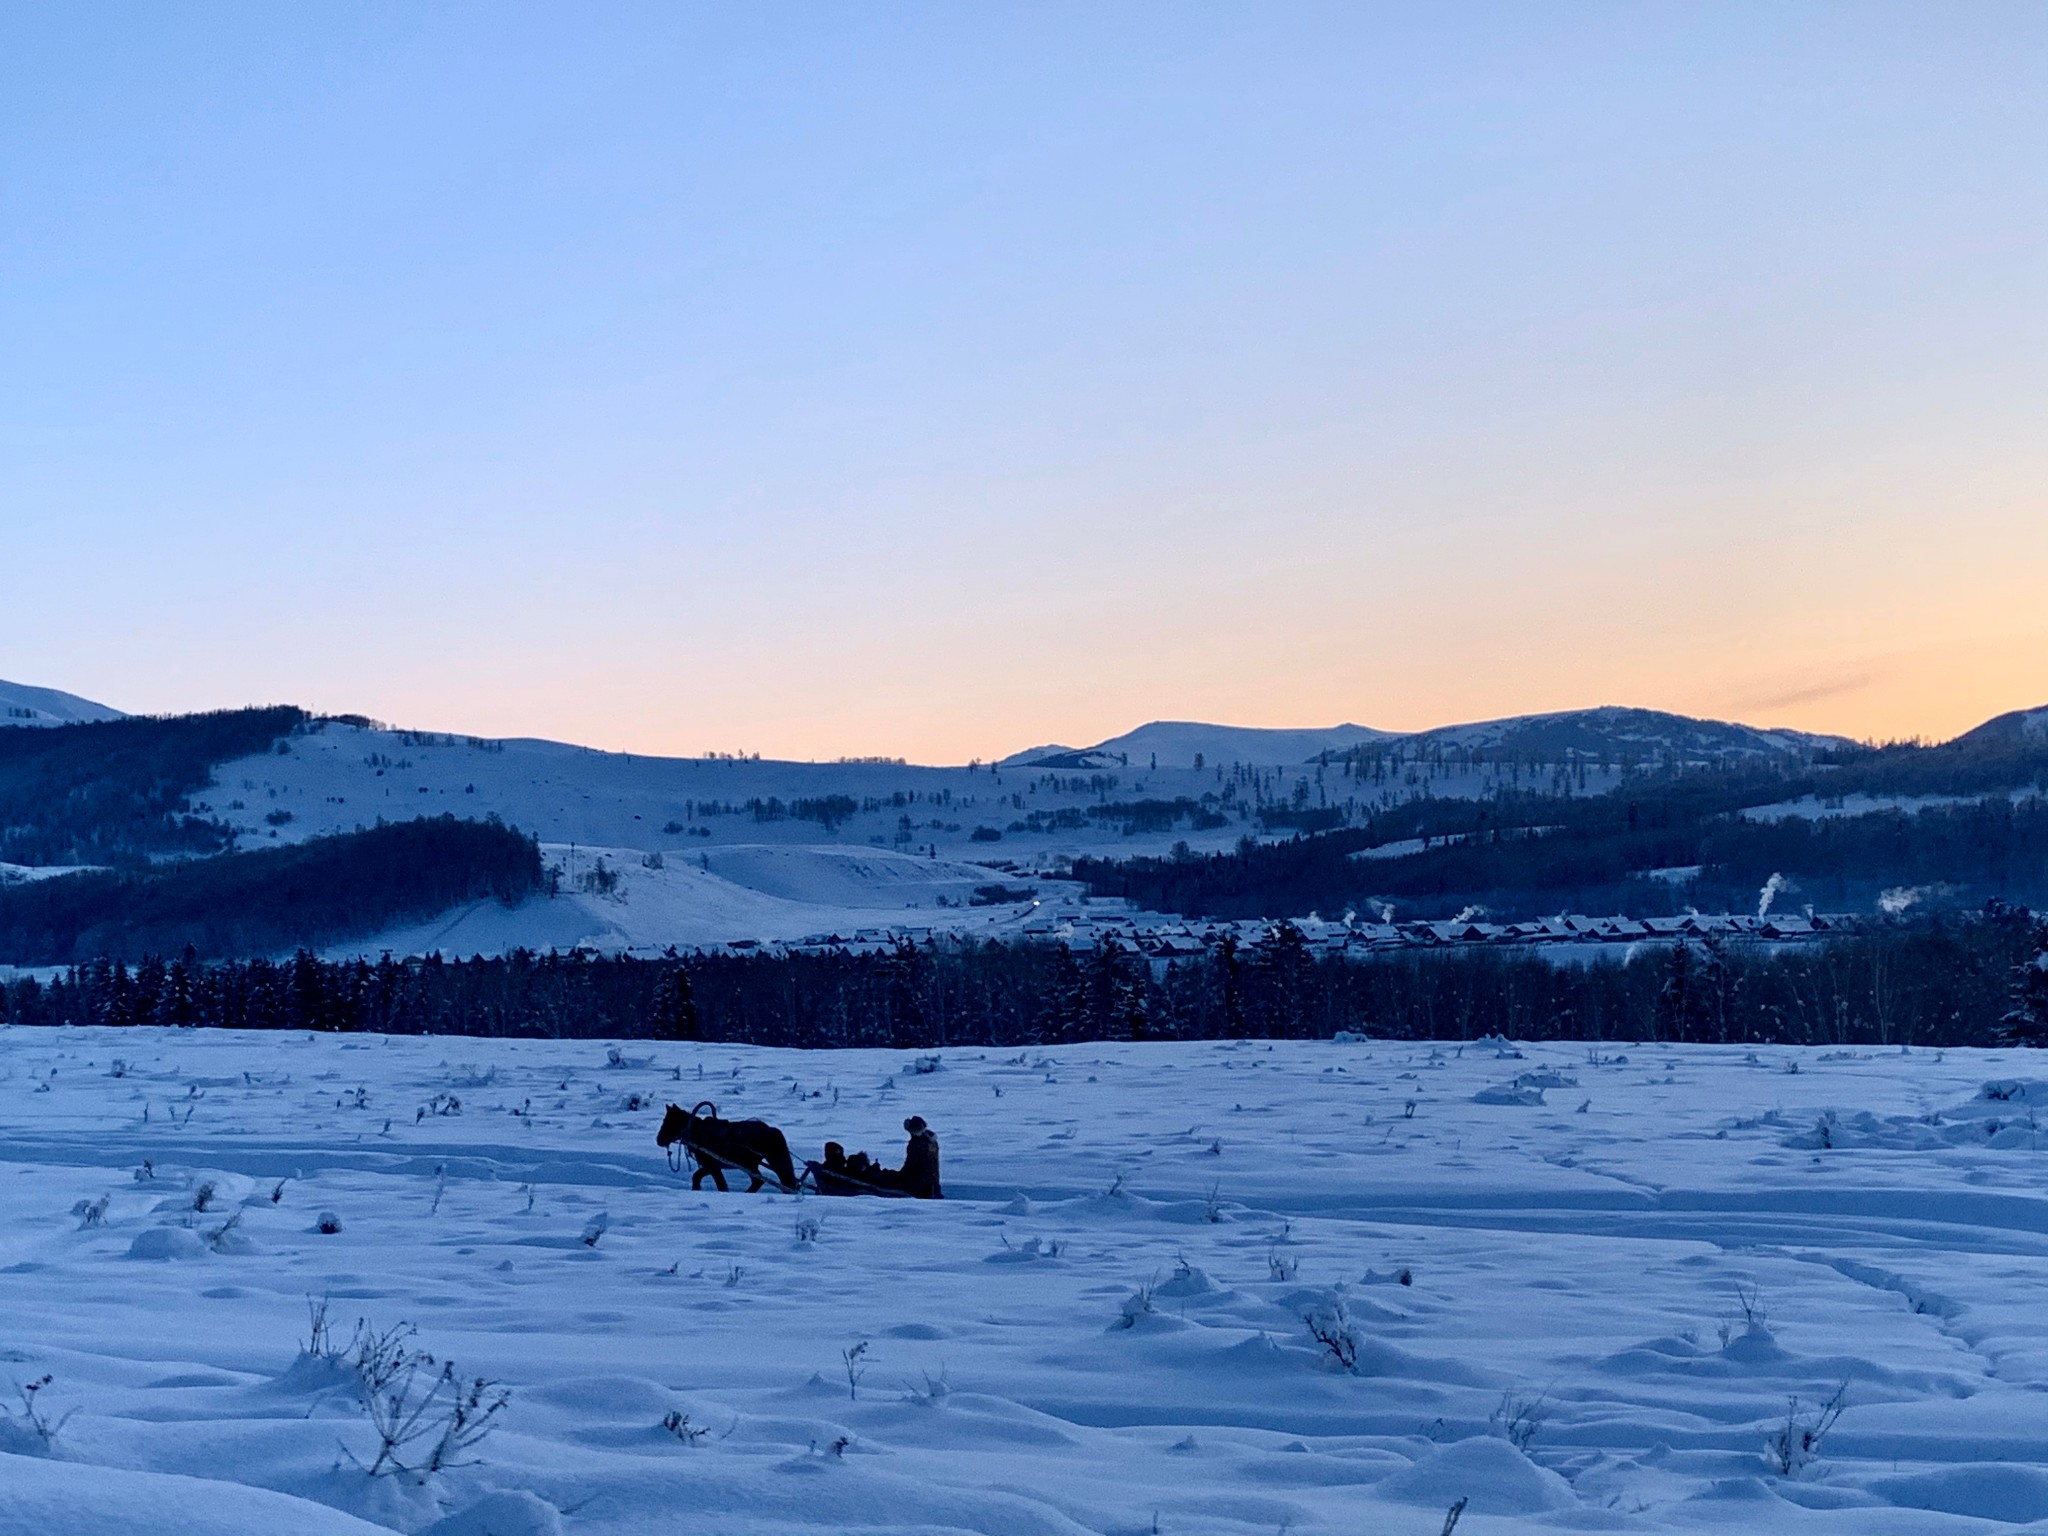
1601, 858
1936, 983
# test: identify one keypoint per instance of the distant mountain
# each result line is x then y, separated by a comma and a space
22, 705
2021, 725
1176, 744
1611, 732
1615, 732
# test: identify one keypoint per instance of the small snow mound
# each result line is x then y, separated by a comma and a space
1499, 1479
2013, 1090
80, 1500
918, 1331
315, 1373
1743, 1490
1509, 1093
167, 1243
1754, 1346
1186, 1281
501, 1514
1983, 1490
17, 1439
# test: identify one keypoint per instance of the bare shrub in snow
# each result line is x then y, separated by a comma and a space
807, 1229
203, 1196
1281, 1267
222, 1237
596, 1228
1756, 1320
35, 1414
1212, 1203
379, 1358
327, 1223
1453, 1515
679, 1425
414, 1401
856, 1358
1796, 1442
320, 1341
1518, 1419
1329, 1324
1750, 1299
92, 1213
936, 1390
1139, 1304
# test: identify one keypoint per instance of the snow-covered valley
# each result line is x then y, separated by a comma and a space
1631, 1262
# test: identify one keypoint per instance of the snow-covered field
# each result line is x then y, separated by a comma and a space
1101, 1330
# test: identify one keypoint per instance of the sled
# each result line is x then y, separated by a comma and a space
827, 1181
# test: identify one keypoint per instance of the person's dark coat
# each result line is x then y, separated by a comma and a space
921, 1161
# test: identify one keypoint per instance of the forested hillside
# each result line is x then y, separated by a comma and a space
118, 791
1658, 843
270, 900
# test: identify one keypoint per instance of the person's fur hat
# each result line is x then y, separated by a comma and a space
914, 1124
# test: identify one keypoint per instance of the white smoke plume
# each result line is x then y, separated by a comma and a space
1470, 915
1385, 910
1769, 894
1901, 897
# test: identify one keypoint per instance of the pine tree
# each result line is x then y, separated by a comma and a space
675, 1010
1675, 998
2027, 1022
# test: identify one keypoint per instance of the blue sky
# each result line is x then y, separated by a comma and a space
940, 379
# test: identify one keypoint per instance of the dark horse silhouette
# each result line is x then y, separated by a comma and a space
717, 1145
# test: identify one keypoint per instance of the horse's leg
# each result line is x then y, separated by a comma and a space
697, 1178
755, 1175
718, 1178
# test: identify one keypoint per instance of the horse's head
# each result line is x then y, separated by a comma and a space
678, 1123
674, 1126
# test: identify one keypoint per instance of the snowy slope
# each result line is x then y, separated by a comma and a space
22, 705
2017, 725
1610, 731
1176, 744
768, 894
1614, 731
339, 777
1628, 1261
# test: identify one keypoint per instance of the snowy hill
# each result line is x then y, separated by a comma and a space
1177, 743
1616, 732
22, 705
1610, 731
2018, 726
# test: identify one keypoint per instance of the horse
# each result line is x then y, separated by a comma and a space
717, 1145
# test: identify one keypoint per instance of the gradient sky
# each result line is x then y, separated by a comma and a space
939, 380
